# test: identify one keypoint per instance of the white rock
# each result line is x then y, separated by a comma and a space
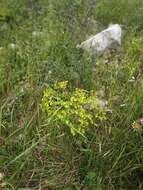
103, 41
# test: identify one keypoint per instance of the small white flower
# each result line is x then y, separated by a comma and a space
34, 33
132, 79
123, 105
13, 46
50, 72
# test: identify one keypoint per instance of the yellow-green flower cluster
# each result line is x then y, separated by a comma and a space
69, 107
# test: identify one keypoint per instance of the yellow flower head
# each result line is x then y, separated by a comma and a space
61, 85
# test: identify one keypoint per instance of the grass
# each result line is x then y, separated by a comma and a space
38, 48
